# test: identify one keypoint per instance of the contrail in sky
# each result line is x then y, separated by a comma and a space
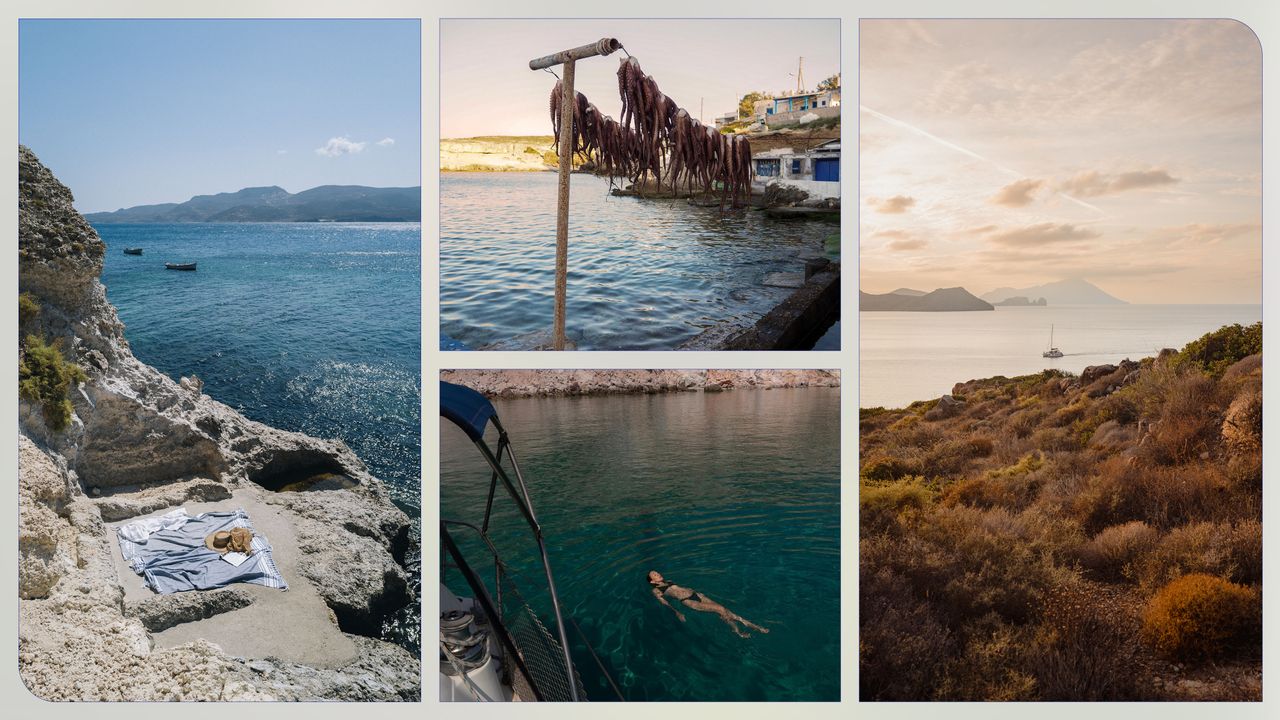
964, 151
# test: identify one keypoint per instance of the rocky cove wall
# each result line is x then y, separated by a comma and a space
543, 383
139, 442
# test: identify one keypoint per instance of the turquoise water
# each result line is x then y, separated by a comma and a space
733, 494
643, 274
909, 356
312, 327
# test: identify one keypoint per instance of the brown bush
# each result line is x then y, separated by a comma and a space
1110, 553
1201, 616
1229, 550
903, 645
888, 467
881, 504
1084, 649
1189, 423
1120, 491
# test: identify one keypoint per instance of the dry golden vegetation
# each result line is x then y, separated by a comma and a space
1061, 537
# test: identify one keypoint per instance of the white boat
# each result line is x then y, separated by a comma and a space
1052, 352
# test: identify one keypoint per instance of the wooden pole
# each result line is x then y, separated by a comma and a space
568, 59
568, 101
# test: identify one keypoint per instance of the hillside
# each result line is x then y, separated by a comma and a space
1075, 291
334, 203
955, 299
1062, 537
502, 153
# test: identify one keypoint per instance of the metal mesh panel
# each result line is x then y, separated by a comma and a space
538, 647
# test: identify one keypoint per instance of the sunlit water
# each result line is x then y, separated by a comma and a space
734, 494
909, 356
311, 327
643, 274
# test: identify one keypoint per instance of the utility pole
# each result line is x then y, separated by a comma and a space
568, 59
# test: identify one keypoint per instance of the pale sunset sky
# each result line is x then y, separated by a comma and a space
487, 88
1017, 152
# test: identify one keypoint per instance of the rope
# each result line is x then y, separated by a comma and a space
549, 70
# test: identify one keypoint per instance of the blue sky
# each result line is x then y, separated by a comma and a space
133, 112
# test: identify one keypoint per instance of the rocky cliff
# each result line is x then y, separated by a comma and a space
498, 154
139, 442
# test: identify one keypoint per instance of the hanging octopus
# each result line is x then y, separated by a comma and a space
654, 136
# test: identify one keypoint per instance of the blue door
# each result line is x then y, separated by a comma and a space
826, 170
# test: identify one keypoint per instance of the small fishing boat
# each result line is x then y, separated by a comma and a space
1052, 352
133, 251
493, 646
179, 266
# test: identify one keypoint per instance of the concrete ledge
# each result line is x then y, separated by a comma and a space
797, 322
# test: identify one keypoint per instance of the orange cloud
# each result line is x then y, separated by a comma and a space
1092, 183
1017, 193
1043, 234
895, 205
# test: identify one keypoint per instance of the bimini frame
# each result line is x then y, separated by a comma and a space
473, 424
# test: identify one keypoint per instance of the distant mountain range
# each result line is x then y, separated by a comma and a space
334, 203
955, 299
1075, 291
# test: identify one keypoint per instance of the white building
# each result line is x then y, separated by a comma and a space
816, 171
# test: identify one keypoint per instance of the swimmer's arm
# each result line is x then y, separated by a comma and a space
658, 594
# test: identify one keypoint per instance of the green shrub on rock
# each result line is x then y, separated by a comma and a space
45, 377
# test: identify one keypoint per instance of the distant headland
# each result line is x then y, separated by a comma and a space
955, 299
327, 203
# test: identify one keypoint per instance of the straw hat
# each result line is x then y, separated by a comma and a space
233, 540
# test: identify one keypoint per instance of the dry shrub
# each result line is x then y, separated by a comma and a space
1110, 552
1069, 414
1200, 617
1225, 549
1025, 422
1012, 487
1188, 424
881, 504
1120, 491
906, 423
1084, 649
991, 666
981, 446
952, 457
882, 468
1056, 439
903, 645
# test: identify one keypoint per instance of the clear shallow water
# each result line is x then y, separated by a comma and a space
909, 356
734, 494
643, 274
311, 327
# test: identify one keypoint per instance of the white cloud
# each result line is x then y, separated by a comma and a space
387, 142
340, 146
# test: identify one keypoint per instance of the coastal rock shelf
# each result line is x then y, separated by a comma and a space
542, 383
139, 443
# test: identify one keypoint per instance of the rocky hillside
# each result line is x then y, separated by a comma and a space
1063, 537
138, 442
536, 383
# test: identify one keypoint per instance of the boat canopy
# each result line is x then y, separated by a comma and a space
467, 409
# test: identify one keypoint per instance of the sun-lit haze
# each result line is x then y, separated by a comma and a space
134, 112
487, 88
1013, 153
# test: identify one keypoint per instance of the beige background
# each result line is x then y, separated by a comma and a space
1262, 16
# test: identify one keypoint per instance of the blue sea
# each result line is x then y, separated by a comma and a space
311, 327
734, 494
643, 274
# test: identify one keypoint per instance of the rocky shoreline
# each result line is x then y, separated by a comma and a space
551, 383
138, 442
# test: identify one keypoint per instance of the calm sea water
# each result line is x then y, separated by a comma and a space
909, 356
312, 327
734, 494
643, 274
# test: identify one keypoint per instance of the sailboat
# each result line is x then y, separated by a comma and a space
1052, 352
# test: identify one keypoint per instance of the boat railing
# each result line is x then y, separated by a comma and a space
538, 668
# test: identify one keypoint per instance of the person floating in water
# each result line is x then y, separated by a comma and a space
663, 588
